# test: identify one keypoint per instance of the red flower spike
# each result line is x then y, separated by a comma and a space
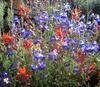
22, 70
23, 74
81, 56
7, 38
76, 13
27, 43
23, 10
92, 66
59, 33
56, 46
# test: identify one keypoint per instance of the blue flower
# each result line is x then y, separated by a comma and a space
37, 40
4, 74
16, 19
63, 17
82, 43
34, 67
67, 64
82, 18
97, 18
53, 55
13, 66
53, 38
65, 46
76, 69
43, 16
95, 46
5, 79
9, 52
89, 24
92, 48
41, 65
26, 33
67, 7
38, 56
46, 27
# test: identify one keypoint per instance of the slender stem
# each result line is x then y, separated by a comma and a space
87, 9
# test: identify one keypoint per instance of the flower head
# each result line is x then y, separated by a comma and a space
23, 10
23, 74
76, 69
53, 55
67, 7
7, 38
27, 43
37, 40
13, 66
5, 79
59, 33
76, 13
26, 33
9, 52
34, 67
65, 46
38, 55
41, 65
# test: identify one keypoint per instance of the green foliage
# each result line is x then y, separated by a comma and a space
87, 4
9, 17
2, 5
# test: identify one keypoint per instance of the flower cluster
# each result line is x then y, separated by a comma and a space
5, 79
65, 38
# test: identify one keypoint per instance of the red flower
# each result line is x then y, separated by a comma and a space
23, 74
81, 56
76, 13
23, 10
56, 46
27, 43
7, 38
59, 33
87, 78
92, 66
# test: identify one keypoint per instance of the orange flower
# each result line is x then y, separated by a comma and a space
76, 13
59, 33
7, 38
27, 43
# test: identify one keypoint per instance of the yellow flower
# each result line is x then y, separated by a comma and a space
37, 47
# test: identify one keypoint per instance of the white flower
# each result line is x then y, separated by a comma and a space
6, 80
